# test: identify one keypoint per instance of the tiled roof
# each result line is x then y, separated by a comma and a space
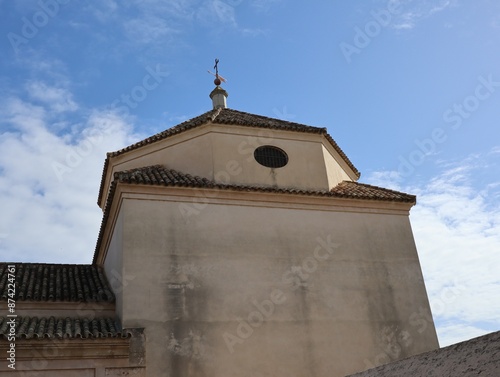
161, 176
355, 190
475, 357
60, 328
227, 116
56, 282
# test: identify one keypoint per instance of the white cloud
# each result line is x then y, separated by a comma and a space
58, 99
455, 333
49, 214
495, 150
456, 224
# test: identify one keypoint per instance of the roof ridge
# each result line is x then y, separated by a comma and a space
265, 117
217, 112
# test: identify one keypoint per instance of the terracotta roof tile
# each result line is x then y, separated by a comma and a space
355, 190
160, 175
224, 116
60, 328
227, 116
57, 282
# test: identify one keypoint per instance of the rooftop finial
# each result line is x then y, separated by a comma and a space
216, 67
218, 95
218, 79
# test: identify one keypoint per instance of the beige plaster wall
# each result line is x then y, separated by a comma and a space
113, 264
250, 290
334, 172
234, 161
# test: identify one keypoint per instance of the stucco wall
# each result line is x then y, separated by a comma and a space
234, 161
230, 288
113, 264
334, 172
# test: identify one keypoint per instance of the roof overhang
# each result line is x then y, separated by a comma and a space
243, 196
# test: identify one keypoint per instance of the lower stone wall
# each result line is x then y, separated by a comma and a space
51, 373
478, 356
75, 357
86, 372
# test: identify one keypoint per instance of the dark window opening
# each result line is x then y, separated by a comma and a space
270, 157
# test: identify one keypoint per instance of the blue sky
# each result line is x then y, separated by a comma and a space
409, 89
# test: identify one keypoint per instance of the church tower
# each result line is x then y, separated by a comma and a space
246, 246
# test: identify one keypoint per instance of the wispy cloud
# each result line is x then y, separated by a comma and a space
412, 12
171, 14
152, 26
457, 230
148, 29
217, 12
58, 99
103, 10
154, 21
172, 9
453, 333
264, 5
253, 32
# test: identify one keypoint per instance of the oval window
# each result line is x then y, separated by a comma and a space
270, 156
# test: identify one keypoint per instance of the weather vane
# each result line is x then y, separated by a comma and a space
218, 78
